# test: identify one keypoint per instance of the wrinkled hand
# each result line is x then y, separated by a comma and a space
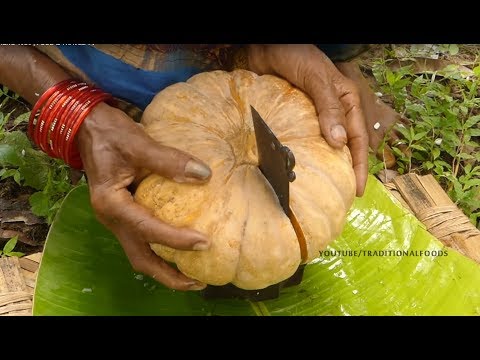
116, 152
336, 98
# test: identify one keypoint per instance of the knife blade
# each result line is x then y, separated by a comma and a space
276, 162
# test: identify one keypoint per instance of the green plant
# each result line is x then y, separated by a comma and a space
444, 133
31, 167
451, 49
9, 246
374, 165
8, 95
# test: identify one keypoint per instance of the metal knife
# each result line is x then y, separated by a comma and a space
276, 162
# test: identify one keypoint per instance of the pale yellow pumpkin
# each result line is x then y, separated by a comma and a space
253, 242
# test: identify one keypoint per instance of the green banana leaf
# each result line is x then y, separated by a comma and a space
85, 272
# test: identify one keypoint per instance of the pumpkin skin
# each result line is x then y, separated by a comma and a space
253, 244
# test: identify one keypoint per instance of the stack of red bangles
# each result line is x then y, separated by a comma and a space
57, 116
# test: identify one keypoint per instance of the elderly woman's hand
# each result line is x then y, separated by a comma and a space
336, 98
117, 153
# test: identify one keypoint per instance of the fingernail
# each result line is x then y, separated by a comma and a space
194, 285
338, 133
201, 246
197, 170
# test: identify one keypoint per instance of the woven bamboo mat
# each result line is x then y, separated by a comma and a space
17, 283
425, 198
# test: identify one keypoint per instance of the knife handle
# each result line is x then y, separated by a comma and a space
290, 163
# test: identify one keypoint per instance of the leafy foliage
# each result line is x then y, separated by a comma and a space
444, 133
31, 167
9, 247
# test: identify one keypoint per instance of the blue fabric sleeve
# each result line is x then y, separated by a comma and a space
122, 80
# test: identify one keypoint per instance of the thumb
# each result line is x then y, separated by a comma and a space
331, 113
172, 163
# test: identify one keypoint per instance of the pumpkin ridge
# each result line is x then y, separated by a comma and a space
244, 230
214, 228
234, 94
240, 131
285, 140
186, 119
323, 172
299, 198
237, 102
215, 132
275, 106
263, 241
331, 182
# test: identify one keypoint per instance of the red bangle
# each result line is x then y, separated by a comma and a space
44, 120
72, 118
56, 118
84, 93
35, 111
57, 111
71, 151
43, 116
50, 121
78, 116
